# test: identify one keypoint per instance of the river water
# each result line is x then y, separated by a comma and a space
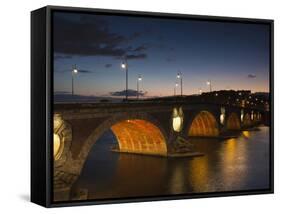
227, 165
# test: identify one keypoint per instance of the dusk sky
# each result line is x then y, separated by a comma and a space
231, 55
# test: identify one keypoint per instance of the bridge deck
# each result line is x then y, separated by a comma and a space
138, 104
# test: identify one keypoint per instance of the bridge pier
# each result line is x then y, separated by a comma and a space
65, 175
62, 185
181, 147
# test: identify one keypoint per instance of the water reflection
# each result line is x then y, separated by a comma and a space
199, 174
235, 164
246, 134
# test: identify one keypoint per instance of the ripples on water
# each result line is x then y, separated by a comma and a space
235, 164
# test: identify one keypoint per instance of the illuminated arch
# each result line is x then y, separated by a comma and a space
204, 125
139, 136
233, 122
135, 133
247, 120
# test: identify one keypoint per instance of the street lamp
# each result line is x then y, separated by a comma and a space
209, 83
139, 79
179, 76
200, 91
73, 72
124, 65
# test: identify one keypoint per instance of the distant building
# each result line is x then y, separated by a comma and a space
241, 98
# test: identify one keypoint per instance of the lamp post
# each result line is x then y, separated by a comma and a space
179, 76
138, 81
73, 72
209, 83
124, 65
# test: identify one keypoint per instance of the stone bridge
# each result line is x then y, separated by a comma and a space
152, 128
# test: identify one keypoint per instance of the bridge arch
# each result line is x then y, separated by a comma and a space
204, 124
139, 136
151, 139
135, 133
233, 122
247, 120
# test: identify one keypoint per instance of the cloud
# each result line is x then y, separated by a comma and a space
252, 76
140, 48
85, 35
85, 71
131, 93
136, 56
58, 57
108, 65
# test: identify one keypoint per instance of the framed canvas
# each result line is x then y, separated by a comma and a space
138, 106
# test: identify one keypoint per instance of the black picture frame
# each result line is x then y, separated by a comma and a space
42, 105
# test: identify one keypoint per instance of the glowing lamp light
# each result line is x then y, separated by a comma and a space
57, 146
177, 119
123, 65
177, 124
75, 70
222, 115
242, 115
208, 82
